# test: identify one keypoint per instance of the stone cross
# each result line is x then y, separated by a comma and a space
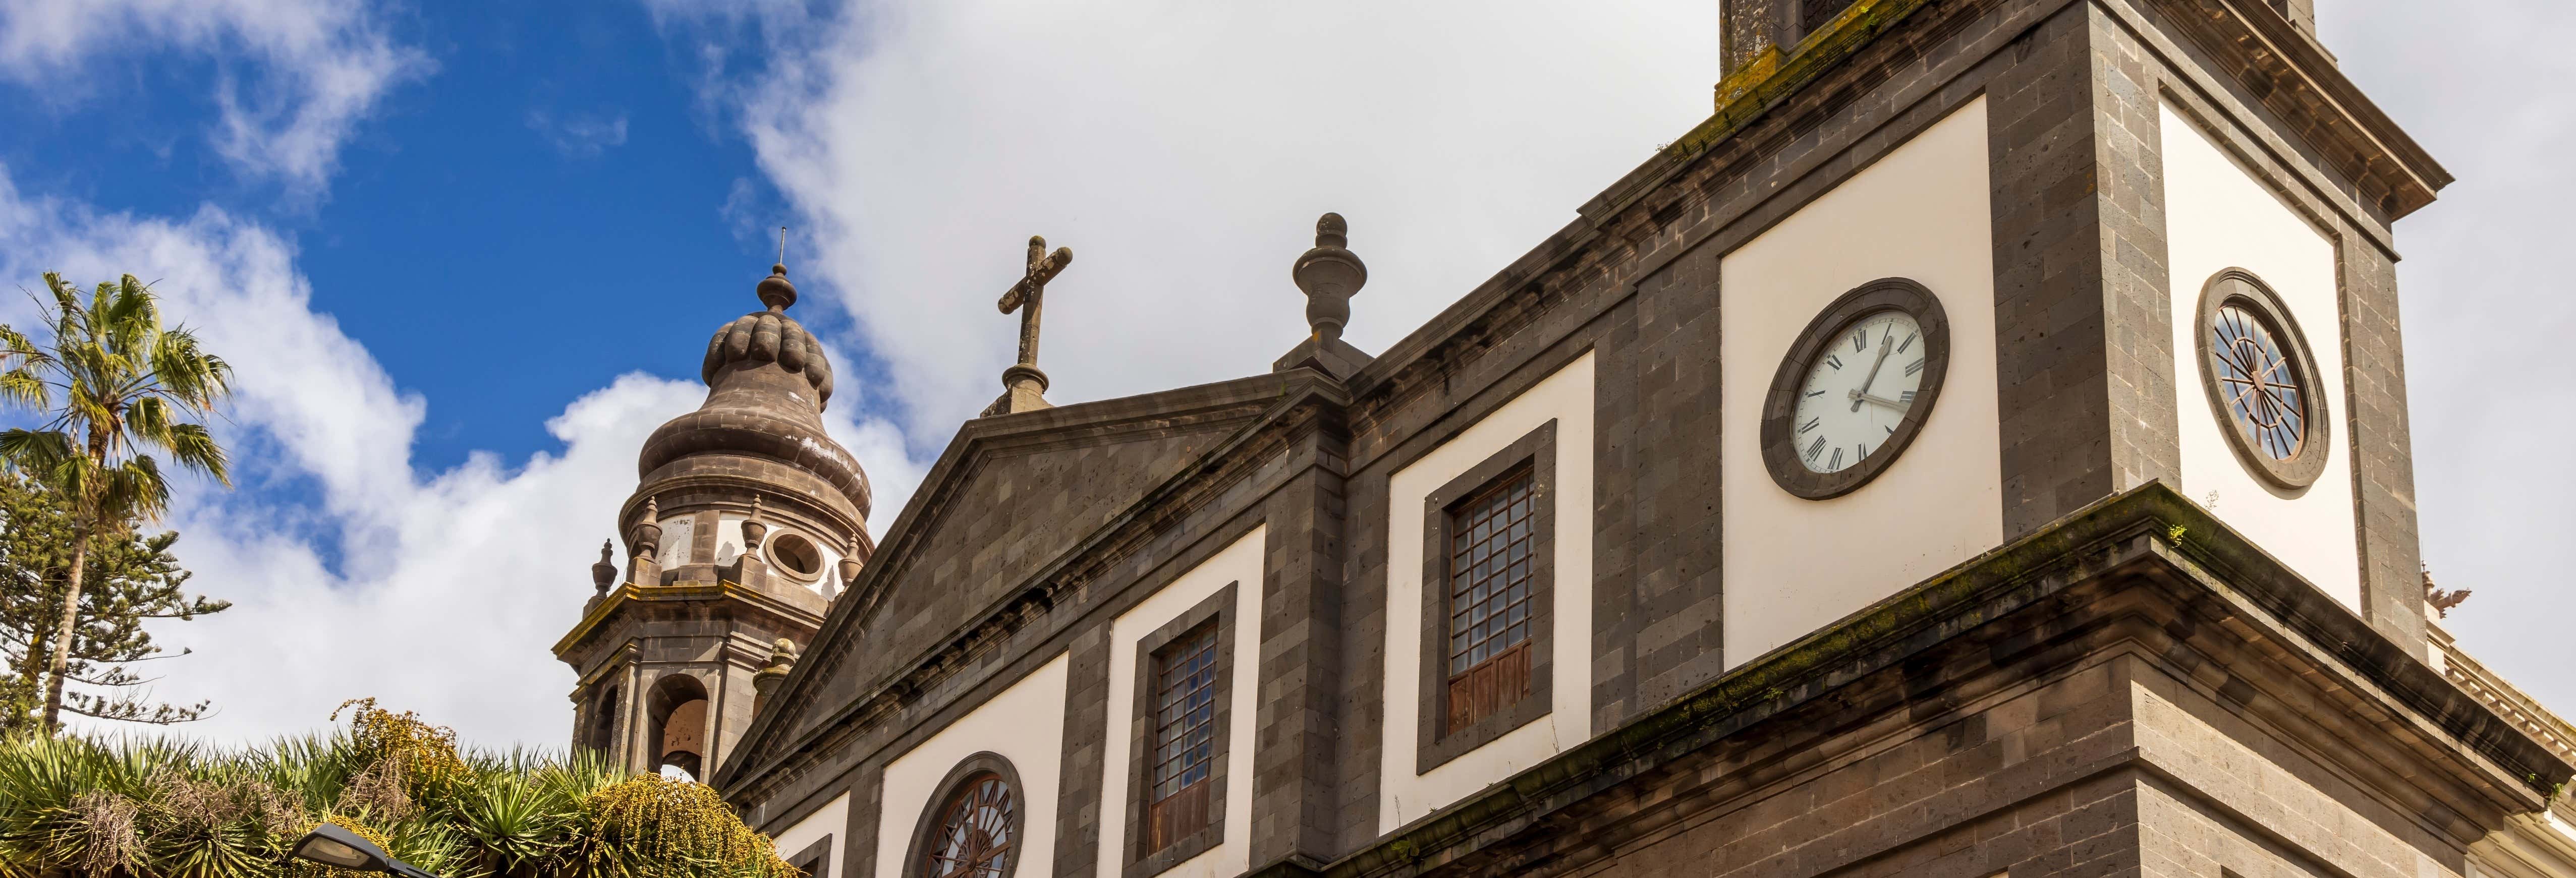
1031, 289
1023, 385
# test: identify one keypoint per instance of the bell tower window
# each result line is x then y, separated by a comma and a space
679, 730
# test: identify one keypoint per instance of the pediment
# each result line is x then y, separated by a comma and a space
1013, 498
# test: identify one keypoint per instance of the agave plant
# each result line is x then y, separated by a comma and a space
73, 807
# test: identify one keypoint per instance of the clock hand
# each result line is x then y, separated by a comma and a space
1859, 397
1883, 344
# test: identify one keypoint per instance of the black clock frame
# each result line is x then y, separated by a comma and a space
1780, 406
2243, 288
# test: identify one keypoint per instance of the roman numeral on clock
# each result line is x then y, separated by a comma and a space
1909, 342
1815, 449
1835, 361
1810, 424
1860, 339
1837, 461
1906, 397
1913, 367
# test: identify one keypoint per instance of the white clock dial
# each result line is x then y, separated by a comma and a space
1858, 390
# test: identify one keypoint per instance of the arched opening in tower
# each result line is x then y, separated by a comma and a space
601, 734
679, 732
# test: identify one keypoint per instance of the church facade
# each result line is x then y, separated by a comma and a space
1979, 448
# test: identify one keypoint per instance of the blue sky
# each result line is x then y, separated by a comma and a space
544, 204
465, 255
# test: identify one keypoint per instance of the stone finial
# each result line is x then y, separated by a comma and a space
753, 529
604, 572
1330, 275
775, 291
850, 562
782, 659
648, 533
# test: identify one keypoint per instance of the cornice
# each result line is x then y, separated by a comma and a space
2299, 82
683, 592
2147, 547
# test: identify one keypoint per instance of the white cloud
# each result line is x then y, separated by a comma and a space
579, 136
1183, 152
450, 586
315, 68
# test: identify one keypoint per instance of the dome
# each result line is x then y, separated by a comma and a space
767, 384
771, 336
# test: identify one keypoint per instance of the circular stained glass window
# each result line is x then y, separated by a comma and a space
2259, 382
974, 834
2262, 381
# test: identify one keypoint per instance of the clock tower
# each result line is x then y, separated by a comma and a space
748, 521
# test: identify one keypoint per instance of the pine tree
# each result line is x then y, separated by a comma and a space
132, 581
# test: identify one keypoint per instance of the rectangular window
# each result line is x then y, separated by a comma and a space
1184, 738
1490, 558
1488, 583
1177, 760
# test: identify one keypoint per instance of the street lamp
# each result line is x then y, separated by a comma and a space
330, 844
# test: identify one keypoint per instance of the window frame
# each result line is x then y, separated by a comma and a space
1216, 610
816, 859
927, 826
2237, 286
1437, 743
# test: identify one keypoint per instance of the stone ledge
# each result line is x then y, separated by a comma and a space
2145, 546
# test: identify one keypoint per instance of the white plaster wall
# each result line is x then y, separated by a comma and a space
1239, 562
1403, 794
2217, 216
832, 819
1791, 565
677, 533
1024, 724
729, 536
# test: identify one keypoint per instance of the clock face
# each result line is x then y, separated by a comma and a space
2258, 382
1858, 390
1854, 389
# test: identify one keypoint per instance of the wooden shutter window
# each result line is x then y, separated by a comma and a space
1185, 693
1491, 556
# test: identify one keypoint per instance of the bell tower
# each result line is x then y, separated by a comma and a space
747, 521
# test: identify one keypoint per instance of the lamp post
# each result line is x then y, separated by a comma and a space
330, 844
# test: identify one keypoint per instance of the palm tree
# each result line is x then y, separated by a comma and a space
171, 808
112, 385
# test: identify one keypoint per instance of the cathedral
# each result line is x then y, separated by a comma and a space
1979, 449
